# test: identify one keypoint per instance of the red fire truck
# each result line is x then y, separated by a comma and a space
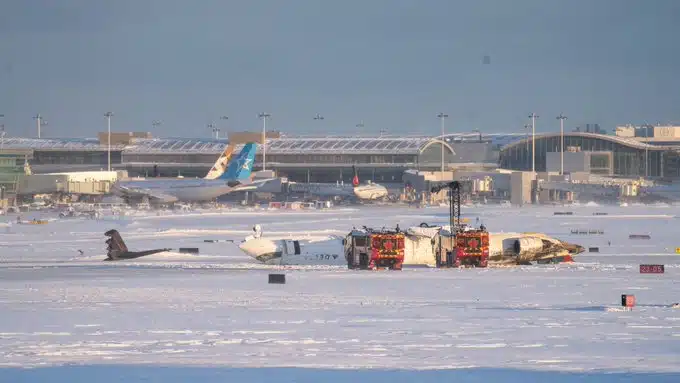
462, 245
468, 247
374, 249
472, 248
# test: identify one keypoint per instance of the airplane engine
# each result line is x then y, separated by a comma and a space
515, 247
503, 244
527, 245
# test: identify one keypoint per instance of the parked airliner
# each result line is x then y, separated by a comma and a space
367, 192
236, 178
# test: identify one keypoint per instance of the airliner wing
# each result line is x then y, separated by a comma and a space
252, 185
155, 194
244, 187
167, 198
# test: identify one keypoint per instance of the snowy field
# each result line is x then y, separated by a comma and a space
67, 316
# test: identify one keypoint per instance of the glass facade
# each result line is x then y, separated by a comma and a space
431, 157
11, 167
626, 160
74, 157
345, 174
332, 158
317, 159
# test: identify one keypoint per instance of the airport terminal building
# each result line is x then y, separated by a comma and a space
651, 151
600, 154
303, 159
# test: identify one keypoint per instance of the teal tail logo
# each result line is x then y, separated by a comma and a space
241, 167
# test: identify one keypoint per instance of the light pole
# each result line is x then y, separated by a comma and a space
360, 127
646, 153
2, 133
533, 117
225, 118
442, 116
41, 122
108, 116
561, 117
215, 130
526, 133
264, 117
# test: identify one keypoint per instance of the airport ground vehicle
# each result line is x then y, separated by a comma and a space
373, 249
461, 245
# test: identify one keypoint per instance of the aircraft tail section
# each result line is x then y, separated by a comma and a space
117, 250
220, 165
241, 167
115, 244
355, 179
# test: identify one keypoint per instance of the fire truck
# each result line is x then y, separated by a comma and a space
462, 245
467, 247
375, 249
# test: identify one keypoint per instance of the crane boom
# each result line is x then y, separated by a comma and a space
454, 203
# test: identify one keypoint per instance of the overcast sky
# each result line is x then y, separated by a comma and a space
393, 64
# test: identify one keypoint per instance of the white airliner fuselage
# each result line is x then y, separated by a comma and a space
328, 252
370, 191
510, 248
185, 190
236, 178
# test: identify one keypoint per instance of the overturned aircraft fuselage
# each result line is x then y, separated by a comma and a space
426, 244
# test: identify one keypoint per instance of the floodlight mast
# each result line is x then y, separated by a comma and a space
215, 130
41, 122
264, 117
442, 116
108, 116
533, 117
223, 118
561, 117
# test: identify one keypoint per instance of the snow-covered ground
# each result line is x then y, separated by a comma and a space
176, 317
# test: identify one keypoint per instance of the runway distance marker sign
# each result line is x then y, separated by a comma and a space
651, 269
